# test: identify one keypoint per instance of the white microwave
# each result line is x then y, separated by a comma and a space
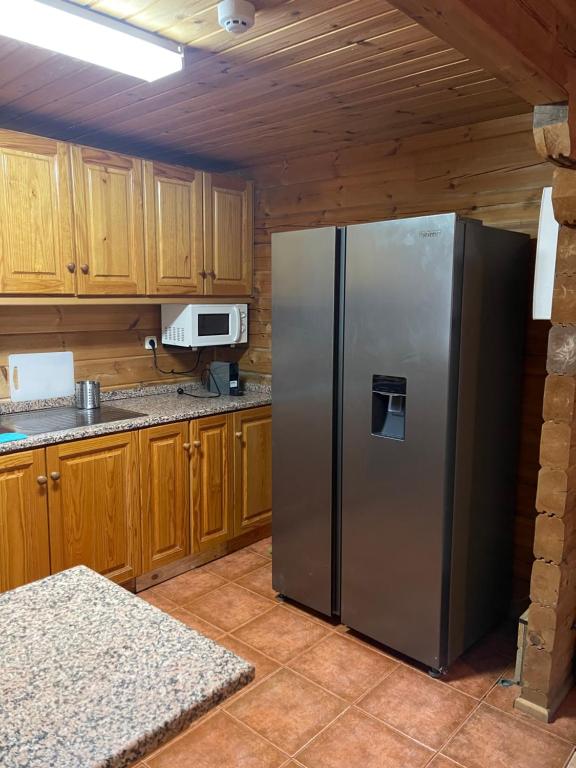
204, 325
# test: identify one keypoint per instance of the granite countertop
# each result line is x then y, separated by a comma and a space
162, 407
91, 676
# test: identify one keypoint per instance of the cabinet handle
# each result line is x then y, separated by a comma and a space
202, 275
186, 446
41, 479
84, 268
197, 443
55, 475
212, 274
239, 435
71, 267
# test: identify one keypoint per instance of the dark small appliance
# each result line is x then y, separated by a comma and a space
223, 378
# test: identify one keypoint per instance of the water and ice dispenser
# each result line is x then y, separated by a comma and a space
389, 407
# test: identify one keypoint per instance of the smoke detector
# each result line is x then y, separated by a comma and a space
236, 16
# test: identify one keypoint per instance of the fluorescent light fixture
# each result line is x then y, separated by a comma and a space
89, 36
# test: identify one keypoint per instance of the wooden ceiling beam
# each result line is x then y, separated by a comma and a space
528, 44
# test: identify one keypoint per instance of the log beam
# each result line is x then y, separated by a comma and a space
548, 664
555, 133
528, 44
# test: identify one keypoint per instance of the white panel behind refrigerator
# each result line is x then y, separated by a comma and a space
545, 259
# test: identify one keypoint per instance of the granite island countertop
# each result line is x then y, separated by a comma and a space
160, 408
91, 676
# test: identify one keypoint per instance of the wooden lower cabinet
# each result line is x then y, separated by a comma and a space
24, 548
94, 505
135, 502
211, 482
252, 468
165, 497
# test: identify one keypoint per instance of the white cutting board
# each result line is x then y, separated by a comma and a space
41, 375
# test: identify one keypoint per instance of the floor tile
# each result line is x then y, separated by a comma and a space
491, 739
358, 741
189, 586
262, 664
263, 547
564, 724
229, 606
195, 622
343, 666
443, 762
418, 706
311, 615
476, 671
368, 642
237, 564
281, 633
259, 581
218, 742
157, 600
286, 709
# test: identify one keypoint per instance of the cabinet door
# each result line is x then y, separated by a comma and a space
228, 235
94, 508
252, 468
36, 245
24, 550
212, 517
164, 484
109, 222
174, 238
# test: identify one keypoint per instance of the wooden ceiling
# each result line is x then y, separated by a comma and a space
311, 76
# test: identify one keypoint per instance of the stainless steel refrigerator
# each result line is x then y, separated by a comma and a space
397, 357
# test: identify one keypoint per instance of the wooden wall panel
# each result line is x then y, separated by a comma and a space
489, 171
107, 342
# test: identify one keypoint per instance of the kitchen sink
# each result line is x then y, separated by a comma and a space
56, 419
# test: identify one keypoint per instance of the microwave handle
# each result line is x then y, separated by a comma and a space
238, 336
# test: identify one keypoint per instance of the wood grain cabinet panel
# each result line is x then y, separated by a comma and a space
94, 505
165, 498
24, 549
252, 468
211, 481
109, 224
36, 240
228, 235
174, 238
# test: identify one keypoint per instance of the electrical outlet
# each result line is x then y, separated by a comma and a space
149, 340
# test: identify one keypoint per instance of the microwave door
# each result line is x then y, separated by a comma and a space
213, 326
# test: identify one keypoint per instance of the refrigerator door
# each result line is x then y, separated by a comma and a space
400, 327
303, 318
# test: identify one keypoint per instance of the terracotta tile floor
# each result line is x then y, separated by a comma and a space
325, 698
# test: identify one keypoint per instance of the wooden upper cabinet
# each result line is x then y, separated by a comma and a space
211, 482
252, 468
24, 549
36, 239
94, 505
173, 227
164, 484
228, 234
109, 224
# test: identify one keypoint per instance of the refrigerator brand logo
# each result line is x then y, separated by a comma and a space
430, 233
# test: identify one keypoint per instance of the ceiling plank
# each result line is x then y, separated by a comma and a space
311, 76
198, 115
524, 44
